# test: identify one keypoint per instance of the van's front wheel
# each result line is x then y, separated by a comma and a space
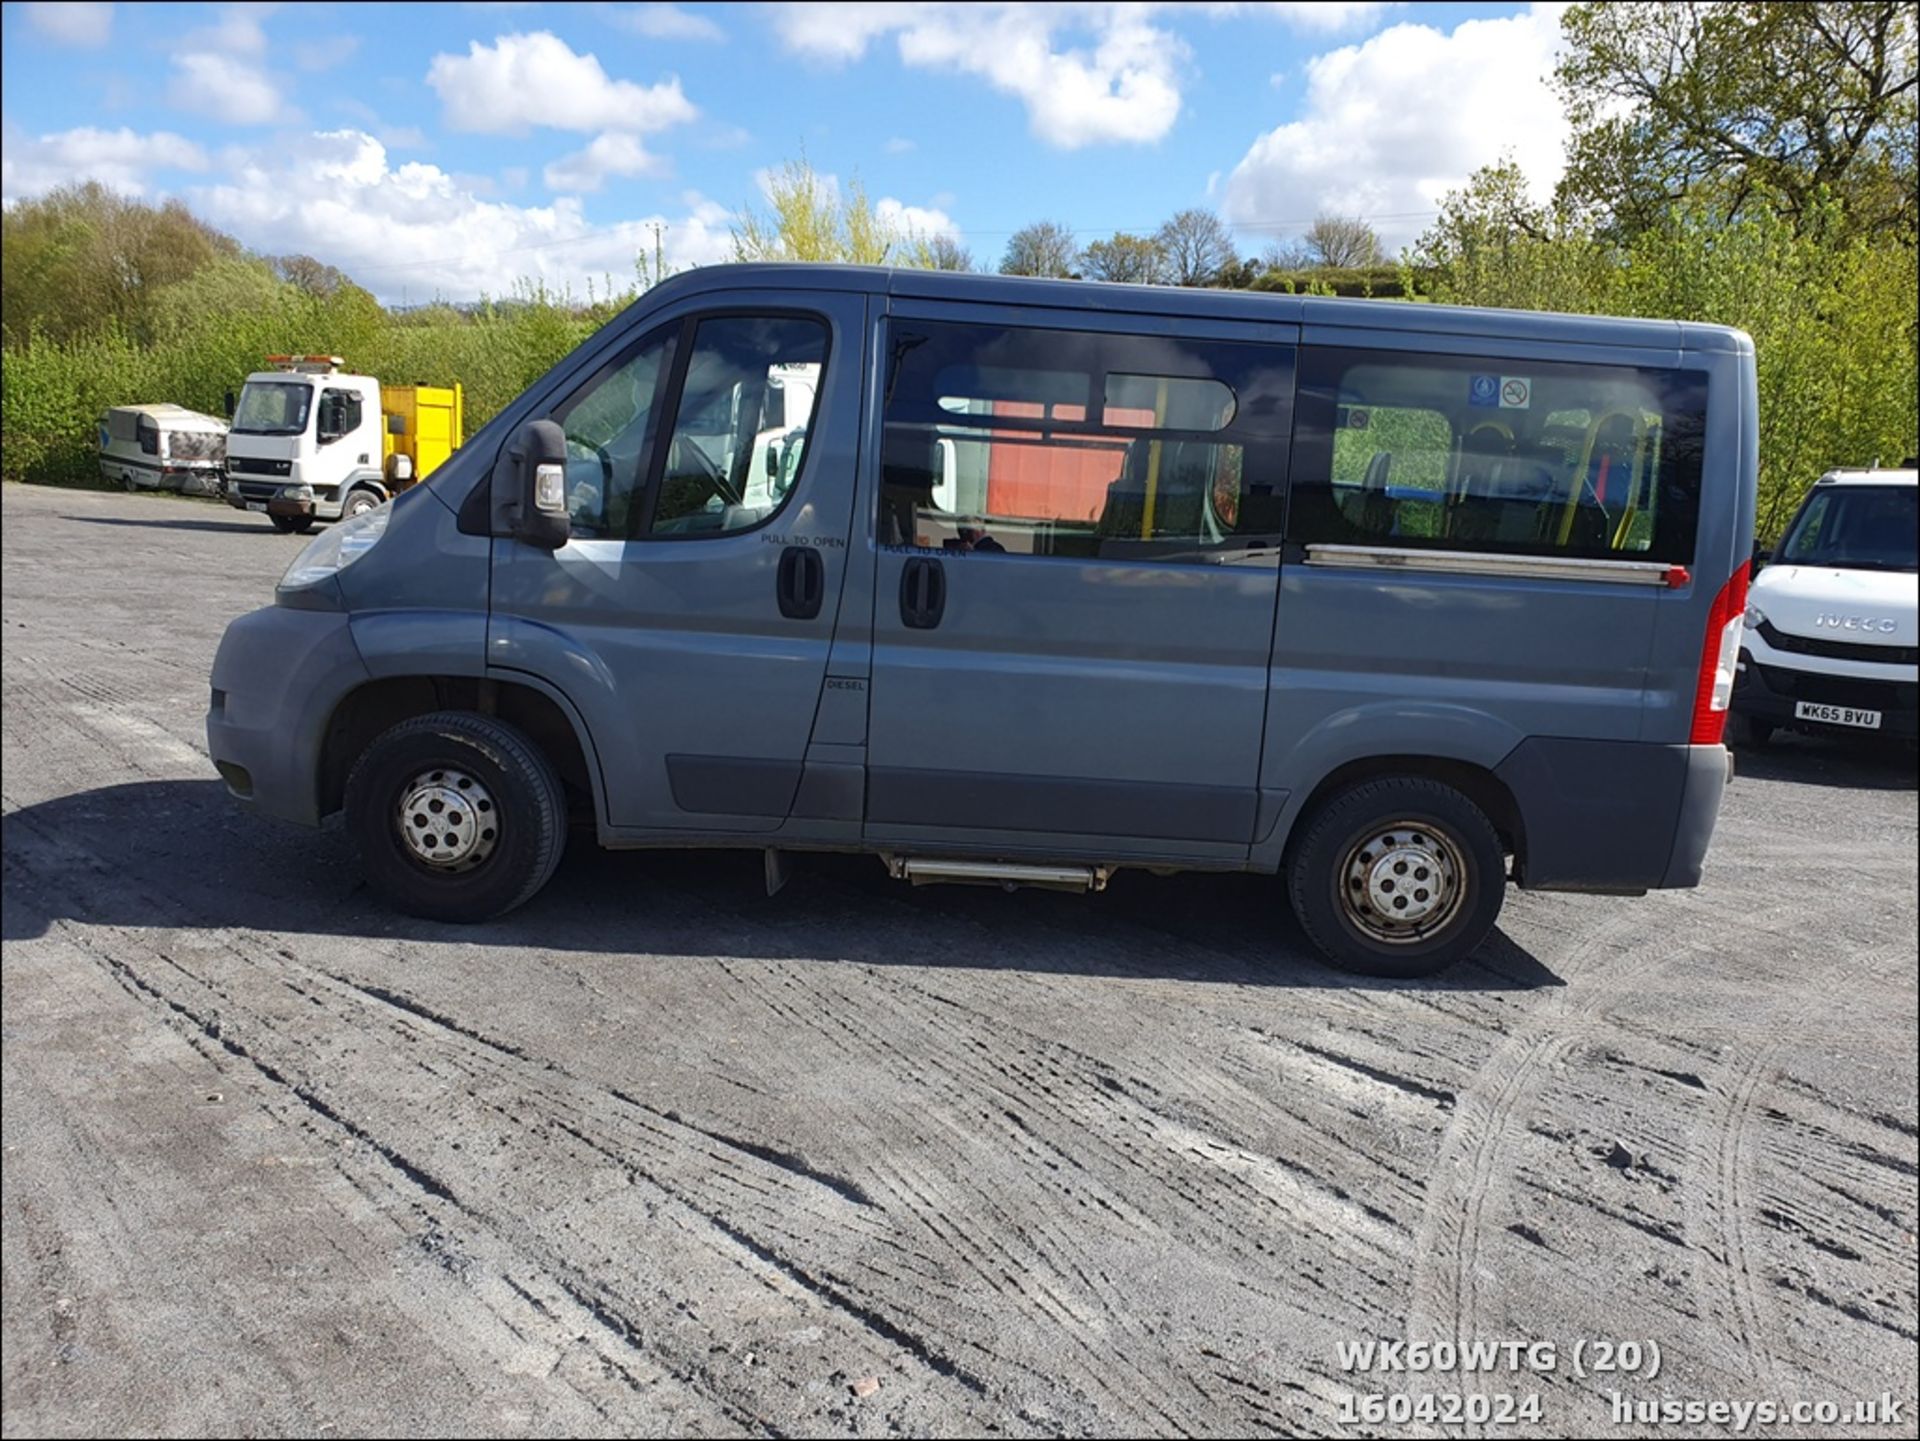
459, 817
1398, 877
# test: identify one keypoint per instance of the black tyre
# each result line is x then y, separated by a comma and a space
359, 502
458, 816
1749, 734
1401, 876
289, 525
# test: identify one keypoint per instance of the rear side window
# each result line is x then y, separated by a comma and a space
1526, 458
1062, 443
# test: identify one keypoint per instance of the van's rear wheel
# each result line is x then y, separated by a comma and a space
459, 817
1398, 877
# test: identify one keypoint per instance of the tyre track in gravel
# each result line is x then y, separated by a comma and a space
1486, 1121
239, 1023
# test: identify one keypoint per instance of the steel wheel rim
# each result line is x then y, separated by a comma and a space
1402, 883
447, 820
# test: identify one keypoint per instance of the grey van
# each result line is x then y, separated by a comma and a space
1026, 581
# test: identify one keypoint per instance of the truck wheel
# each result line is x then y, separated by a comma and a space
1398, 877
458, 816
359, 503
289, 525
126, 479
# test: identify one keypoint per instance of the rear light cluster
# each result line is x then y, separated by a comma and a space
1719, 655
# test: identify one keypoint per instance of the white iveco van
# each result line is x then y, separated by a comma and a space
1833, 623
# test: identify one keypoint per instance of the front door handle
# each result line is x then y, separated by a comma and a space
923, 593
801, 582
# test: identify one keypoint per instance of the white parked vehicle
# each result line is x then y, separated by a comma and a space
310, 442
1833, 622
163, 447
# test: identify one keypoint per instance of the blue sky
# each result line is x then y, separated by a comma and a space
448, 149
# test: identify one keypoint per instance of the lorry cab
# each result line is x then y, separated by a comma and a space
162, 447
1030, 582
310, 442
1833, 621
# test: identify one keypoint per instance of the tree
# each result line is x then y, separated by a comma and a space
81, 258
1286, 255
1758, 102
307, 274
1494, 245
1342, 241
940, 252
1197, 246
1127, 259
807, 218
1044, 248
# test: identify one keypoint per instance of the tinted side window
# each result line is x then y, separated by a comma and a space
149, 434
1071, 443
740, 429
1522, 457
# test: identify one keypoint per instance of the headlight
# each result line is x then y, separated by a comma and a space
296, 492
1755, 616
338, 548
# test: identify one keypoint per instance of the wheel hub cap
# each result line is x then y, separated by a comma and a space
448, 820
1401, 883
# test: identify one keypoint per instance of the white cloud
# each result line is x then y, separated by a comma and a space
1390, 125
1120, 83
899, 145
237, 32
1326, 16
522, 81
218, 72
414, 231
1123, 87
667, 22
609, 153
71, 22
317, 55
227, 88
119, 159
922, 221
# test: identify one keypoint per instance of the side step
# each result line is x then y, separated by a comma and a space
927, 871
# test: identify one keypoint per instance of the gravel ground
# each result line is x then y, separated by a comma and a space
658, 1154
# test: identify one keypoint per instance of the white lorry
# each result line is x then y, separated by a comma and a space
1832, 639
310, 441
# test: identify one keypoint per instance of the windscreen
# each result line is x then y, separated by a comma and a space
1856, 527
272, 407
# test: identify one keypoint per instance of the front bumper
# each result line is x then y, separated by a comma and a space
278, 677
1769, 692
245, 492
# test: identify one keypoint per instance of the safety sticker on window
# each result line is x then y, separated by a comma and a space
1516, 392
1483, 390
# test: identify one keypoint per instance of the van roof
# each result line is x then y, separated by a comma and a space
1865, 475
168, 411
1307, 310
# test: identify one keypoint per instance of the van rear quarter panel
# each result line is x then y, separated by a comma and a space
1371, 663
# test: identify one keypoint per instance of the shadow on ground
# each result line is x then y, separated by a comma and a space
181, 855
257, 527
1869, 763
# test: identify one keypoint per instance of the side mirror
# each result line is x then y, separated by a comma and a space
537, 459
231, 405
